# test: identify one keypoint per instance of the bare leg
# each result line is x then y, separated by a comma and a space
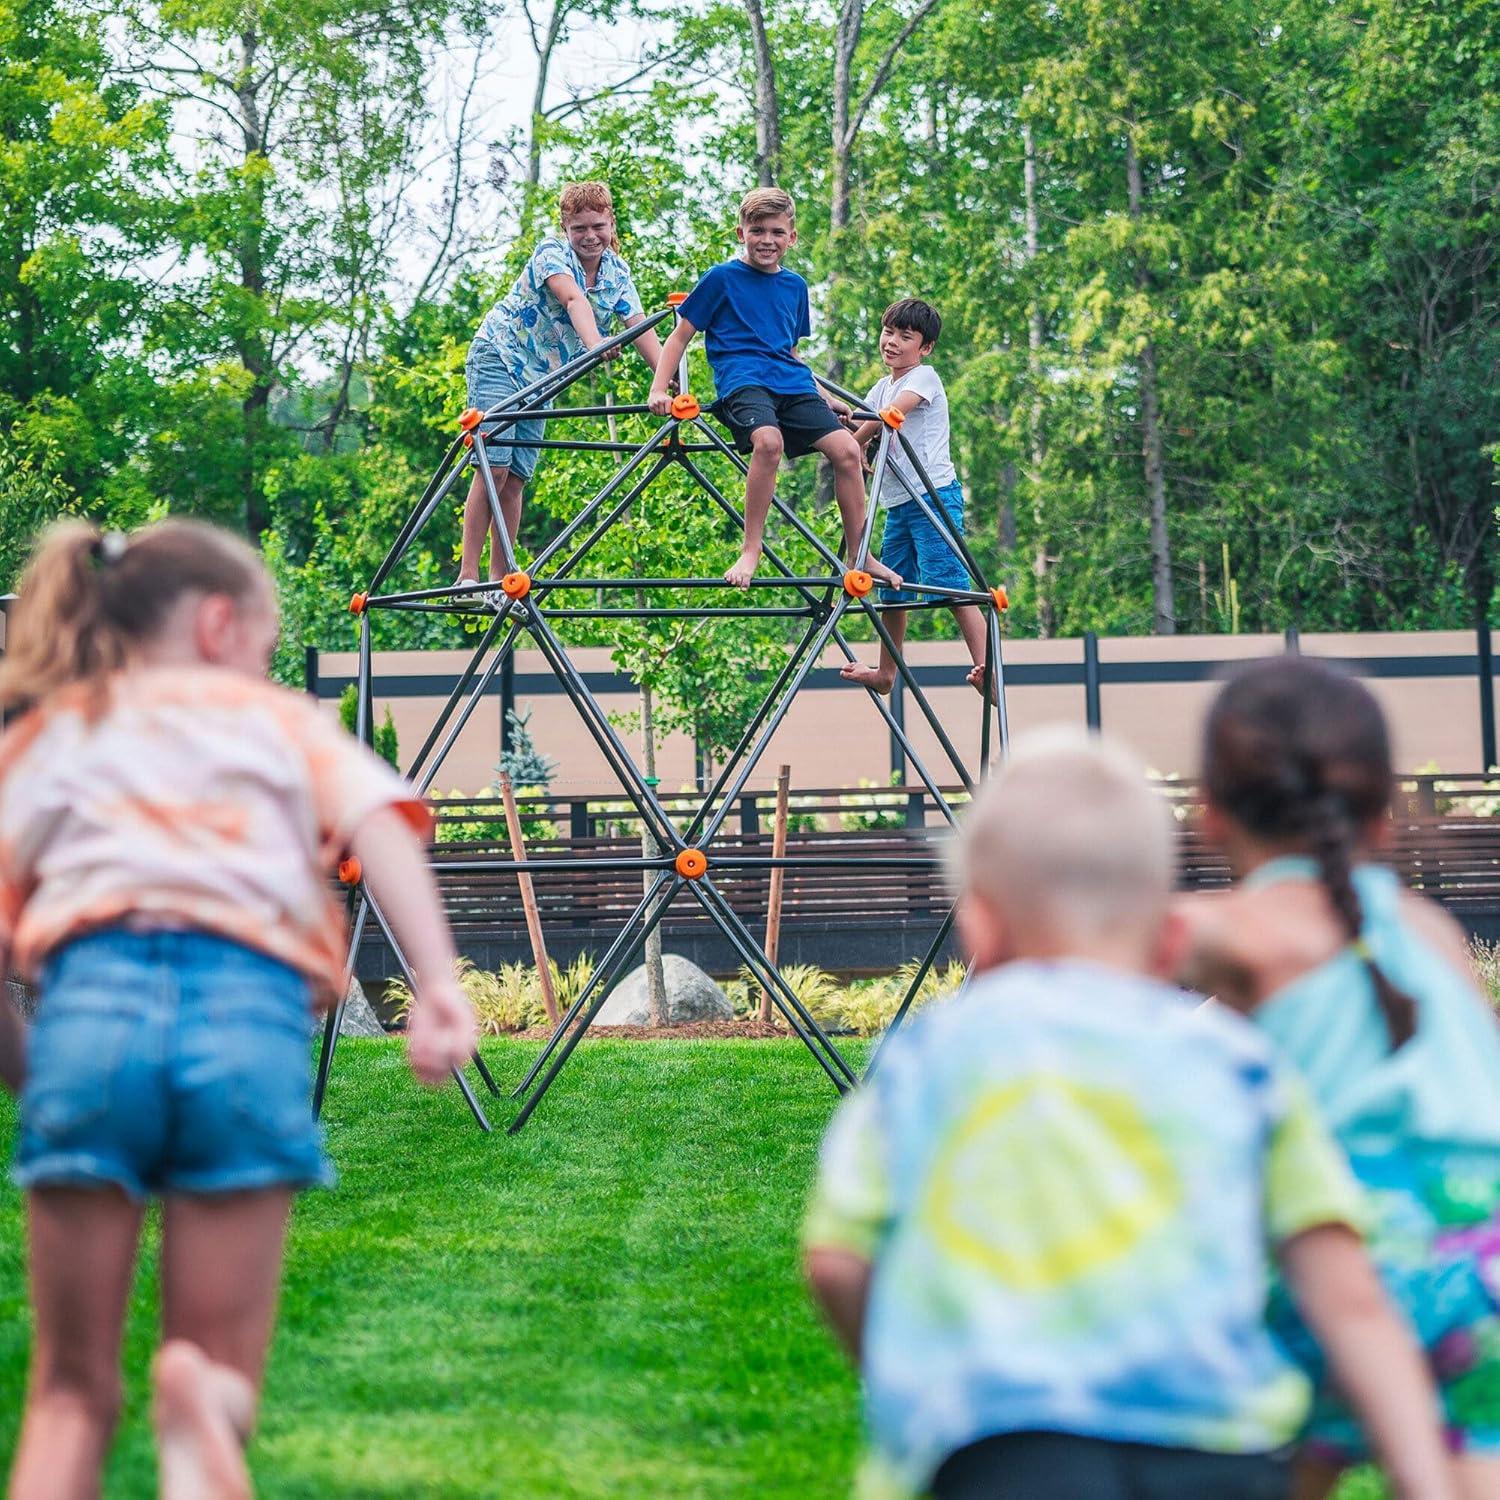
767, 447
221, 1271
843, 455
883, 677
1314, 1478
82, 1244
510, 510
1477, 1478
971, 627
477, 521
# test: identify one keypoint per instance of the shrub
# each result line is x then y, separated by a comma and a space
510, 998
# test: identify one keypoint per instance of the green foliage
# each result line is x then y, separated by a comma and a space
386, 745
509, 998
865, 812
523, 762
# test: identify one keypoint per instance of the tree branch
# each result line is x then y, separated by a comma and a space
883, 71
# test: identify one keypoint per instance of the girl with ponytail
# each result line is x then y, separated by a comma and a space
1367, 990
168, 826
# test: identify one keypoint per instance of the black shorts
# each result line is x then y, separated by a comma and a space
1062, 1466
804, 419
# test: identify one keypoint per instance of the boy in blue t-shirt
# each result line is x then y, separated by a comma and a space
752, 311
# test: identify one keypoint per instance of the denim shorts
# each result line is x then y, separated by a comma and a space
916, 551
169, 1062
489, 382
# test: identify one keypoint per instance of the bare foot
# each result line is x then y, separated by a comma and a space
203, 1413
869, 677
975, 679
744, 569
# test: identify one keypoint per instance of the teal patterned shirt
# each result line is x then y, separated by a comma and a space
530, 329
1069, 1180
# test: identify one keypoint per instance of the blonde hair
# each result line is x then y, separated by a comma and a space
767, 203
88, 596
1070, 835
583, 198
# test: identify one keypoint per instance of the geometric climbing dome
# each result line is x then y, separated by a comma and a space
815, 599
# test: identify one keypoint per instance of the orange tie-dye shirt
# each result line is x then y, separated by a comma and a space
195, 797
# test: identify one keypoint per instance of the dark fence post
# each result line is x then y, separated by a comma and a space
1293, 641
1091, 680
749, 813
1486, 693
578, 818
507, 698
898, 713
310, 669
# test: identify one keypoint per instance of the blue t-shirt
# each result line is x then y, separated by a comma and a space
750, 321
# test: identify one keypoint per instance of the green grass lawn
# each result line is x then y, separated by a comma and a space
607, 1305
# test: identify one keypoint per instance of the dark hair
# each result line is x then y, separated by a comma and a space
914, 314
87, 596
1297, 752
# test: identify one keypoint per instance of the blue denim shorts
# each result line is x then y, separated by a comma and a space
488, 383
169, 1062
916, 551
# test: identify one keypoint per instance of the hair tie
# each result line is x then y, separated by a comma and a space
108, 548
1361, 950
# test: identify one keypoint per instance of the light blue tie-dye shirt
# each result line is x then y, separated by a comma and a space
1068, 1180
530, 328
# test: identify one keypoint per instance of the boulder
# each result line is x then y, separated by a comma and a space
359, 1016
691, 996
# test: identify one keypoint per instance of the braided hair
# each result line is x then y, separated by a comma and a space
1298, 753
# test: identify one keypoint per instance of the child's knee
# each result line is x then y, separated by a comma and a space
767, 442
842, 453
91, 1387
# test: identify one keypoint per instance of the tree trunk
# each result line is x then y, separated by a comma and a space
254, 353
656, 977
1041, 563
544, 50
1163, 610
767, 107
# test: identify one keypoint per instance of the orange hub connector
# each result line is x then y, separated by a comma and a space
357, 603
471, 419
691, 864
893, 417
685, 407
350, 870
857, 583
1001, 598
516, 585
676, 299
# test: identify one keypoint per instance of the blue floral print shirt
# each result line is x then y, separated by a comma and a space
530, 329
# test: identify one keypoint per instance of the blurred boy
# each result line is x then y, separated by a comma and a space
752, 311
1042, 1229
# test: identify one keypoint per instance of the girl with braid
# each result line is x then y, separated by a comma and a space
1366, 989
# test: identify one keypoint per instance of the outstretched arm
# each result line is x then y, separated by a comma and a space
904, 401
440, 1032
579, 309
671, 356
840, 1283
1372, 1356
648, 346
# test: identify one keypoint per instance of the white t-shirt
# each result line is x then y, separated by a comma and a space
925, 428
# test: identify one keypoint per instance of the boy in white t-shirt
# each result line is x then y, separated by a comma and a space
914, 548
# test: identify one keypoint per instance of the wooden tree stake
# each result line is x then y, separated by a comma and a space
528, 899
778, 877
